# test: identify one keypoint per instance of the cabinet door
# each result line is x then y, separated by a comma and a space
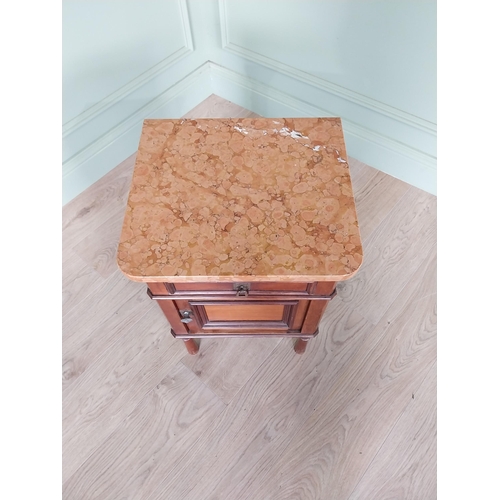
239, 317
211, 315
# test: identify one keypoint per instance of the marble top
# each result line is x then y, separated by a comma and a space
241, 200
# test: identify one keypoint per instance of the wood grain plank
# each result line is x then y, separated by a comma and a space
163, 426
82, 215
113, 385
77, 358
392, 254
376, 199
265, 414
98, 250
361, 173
91, 327
405, 466
217, 107
337, 443
78, 280
226, 365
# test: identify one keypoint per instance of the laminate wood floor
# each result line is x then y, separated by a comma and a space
354, 418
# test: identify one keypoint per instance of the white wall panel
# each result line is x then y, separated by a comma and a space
371, 62
119, 59
384, 50
109, 44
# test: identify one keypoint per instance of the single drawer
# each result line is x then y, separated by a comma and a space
249, 289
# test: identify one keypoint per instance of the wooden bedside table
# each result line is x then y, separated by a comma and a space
241, 227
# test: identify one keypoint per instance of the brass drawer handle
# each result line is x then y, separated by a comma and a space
241, 289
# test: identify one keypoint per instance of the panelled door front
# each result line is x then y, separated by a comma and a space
234, 316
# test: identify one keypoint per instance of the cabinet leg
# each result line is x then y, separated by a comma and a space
300, 346
191, 346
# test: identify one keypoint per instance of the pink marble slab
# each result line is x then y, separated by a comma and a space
253, 199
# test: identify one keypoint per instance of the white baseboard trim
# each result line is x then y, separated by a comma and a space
102, 155
320, 83
89, 114
377, 150
388, 155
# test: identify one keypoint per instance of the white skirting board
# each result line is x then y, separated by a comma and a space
107, 151
378, 150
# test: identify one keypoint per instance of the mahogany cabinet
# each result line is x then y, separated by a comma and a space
241, 227
243, 309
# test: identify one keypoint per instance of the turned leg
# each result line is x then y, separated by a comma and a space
191, 346
300, 346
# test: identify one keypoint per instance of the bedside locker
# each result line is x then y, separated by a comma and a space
241, 227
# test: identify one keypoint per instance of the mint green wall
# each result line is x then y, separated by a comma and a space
105, 46
371, 62
123, 61
382, 49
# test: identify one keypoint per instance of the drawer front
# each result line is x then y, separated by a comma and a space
249, 289
226, 316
